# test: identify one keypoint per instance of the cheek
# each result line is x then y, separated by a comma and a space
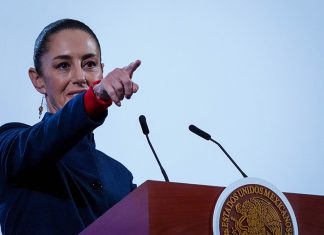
56, 86
91, 78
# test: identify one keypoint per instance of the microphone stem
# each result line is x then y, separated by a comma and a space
157, 159
237, 167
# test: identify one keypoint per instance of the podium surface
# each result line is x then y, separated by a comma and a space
176, 208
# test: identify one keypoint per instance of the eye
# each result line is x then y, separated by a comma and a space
63, 66
90, 64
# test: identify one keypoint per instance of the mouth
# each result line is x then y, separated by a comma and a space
72, 94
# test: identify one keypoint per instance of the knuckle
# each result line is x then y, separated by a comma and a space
128, 83
120, 89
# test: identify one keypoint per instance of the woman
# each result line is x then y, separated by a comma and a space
53, 180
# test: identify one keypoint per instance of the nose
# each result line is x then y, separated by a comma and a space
79, 76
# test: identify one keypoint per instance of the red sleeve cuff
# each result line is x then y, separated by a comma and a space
93, 105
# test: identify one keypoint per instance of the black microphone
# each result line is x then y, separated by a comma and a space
146, 131
199, 132
207, 136
144, 126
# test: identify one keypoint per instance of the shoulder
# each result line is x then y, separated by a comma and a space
12, 125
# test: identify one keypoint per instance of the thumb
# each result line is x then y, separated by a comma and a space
130, 69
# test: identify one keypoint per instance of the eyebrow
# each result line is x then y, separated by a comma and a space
62, 57
87, 56
68, 57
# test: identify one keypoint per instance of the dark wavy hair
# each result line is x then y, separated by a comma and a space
41, 43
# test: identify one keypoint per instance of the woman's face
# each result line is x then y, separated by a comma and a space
70, 65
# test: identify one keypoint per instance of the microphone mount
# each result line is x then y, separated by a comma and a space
207, 136
146, 131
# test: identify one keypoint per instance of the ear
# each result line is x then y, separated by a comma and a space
37, 80
102, 66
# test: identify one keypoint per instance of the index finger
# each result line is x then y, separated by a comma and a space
130, 69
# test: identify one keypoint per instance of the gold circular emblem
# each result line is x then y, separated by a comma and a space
254, 209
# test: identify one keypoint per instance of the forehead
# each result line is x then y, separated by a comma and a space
71, 42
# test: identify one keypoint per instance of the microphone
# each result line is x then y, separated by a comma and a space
199, 132
144, 126
146, 131
207, 136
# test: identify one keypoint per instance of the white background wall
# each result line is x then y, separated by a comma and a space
248, 72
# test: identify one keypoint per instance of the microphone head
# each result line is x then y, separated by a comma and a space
144, 126
199, 132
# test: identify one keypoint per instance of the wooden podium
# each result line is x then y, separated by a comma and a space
156, 208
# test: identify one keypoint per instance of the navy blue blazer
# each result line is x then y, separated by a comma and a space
53, 180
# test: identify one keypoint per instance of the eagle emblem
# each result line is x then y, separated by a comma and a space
258, 217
